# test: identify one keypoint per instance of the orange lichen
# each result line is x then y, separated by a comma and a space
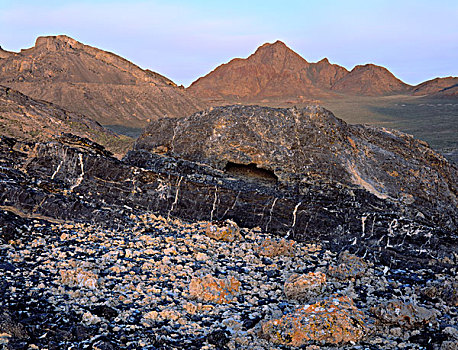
334, 321
213, 289
349, 267
227, 231
79, 278
272, 247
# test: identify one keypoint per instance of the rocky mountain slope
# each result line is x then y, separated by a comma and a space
370, 80
434, 86
24, 118
5, 54
96, 83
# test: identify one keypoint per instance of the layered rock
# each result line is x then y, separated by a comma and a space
24, 118
96, 83
322, 180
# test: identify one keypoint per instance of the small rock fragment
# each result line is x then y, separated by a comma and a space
405, 315
348, 267
226, 231
304, 287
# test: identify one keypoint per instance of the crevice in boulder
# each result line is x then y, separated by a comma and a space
250, 172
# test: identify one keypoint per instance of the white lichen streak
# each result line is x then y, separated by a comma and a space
80, 178
233, 205
57, 170
295, 214
271, 211
363, 225
176, 197
214, 203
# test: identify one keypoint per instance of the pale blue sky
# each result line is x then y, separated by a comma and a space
416, 40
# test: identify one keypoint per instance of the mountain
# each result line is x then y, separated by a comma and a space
370, 80
438, 87
273, 71
5, 54
24, 118
277, 73
96, 83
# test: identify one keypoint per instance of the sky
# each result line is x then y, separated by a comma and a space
183, 40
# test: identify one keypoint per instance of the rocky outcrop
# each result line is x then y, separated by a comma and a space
24, 118
71, 180
295, 148
96, 83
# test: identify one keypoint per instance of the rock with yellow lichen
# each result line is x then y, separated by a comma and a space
335, 320
303, 287
213, 289
276, 247
79, 278
227, 231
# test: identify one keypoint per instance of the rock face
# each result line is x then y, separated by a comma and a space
24, 118
70, 180
96, 83
277, 74
300, 148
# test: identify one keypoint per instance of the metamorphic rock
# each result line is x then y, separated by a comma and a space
234, 227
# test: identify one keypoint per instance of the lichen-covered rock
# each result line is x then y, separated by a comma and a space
211, 289
275, 247
335, 320
304, 287
348, 266
403, 314
79, 278
227, 231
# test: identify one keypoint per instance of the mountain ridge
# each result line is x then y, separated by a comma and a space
94, 82
311, 80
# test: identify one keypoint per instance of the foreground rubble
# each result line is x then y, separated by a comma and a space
158, 283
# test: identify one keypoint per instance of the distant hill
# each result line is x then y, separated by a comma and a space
441, 87
275, 72
96, 83
24, 118
370, 80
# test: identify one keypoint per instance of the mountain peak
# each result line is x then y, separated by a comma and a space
56, 42
277, 46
